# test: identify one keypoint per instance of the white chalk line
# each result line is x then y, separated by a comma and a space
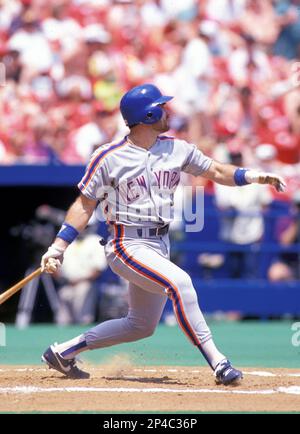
291, 390
193, 371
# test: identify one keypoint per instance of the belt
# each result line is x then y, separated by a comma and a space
141, 232
152, 232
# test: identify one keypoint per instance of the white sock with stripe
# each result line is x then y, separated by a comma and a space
212, 353
70, 349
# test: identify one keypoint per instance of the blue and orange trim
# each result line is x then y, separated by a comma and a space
96, 161
158, 278
166, 137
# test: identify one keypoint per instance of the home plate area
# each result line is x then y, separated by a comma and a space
141, 389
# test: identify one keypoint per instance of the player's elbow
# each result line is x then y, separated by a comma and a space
215, 173
218, 179
88, 205
224, 176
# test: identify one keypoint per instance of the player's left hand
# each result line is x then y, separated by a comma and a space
52, 265
52, 259
275, 180
266, 178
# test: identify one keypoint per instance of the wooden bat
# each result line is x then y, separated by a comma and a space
11, 291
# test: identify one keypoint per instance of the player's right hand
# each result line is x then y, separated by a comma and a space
52, 259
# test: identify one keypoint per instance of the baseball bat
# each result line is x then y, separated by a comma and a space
11, 291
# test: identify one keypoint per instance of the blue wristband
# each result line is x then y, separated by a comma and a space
67, 233
239, 177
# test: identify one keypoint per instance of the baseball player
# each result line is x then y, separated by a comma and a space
134, 179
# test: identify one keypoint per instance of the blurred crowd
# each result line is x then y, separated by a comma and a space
231, 64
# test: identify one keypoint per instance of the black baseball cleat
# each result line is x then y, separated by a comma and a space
227, 374
65, 366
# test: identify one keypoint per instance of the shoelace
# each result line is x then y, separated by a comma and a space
74, 361
222, 366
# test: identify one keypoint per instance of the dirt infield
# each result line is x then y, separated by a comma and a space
137, 388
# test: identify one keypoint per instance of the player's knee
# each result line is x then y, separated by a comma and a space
143, 332
142, 328
148, 331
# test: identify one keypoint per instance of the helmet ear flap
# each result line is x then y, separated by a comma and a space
153, 115
149, 115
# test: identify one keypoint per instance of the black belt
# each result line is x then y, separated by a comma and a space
154, 232
144, 232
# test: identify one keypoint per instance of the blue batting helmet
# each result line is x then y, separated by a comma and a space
140, 105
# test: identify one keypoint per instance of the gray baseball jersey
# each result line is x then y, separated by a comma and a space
136, 186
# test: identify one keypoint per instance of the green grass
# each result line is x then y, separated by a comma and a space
249, 343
